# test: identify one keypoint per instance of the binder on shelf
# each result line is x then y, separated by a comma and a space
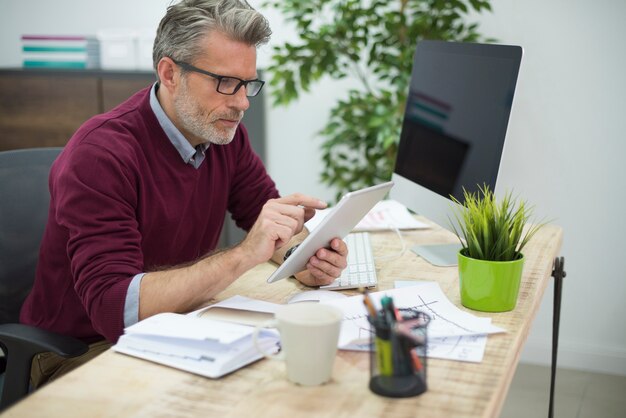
59, 51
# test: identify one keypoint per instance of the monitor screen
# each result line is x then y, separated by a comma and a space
455, 122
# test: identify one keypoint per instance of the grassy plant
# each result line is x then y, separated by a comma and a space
490, 230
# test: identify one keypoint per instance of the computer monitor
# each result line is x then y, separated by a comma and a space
457, 112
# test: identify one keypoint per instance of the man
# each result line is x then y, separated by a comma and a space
139, 194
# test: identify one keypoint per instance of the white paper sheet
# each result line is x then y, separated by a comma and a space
242, 303
173, 325
465, 348
446, 319
385, 215
469, 348
239, 310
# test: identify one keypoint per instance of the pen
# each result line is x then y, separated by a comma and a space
394, 310
417, 364
387, 310
411, 341
369, 305
400, 356
405, 331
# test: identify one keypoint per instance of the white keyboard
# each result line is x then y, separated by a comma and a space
360, 271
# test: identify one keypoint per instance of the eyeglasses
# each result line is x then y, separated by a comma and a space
226, 85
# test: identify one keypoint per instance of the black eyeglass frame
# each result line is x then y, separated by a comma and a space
188, 67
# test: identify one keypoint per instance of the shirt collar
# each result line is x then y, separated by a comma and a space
189, 154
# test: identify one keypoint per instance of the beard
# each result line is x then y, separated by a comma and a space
197, 121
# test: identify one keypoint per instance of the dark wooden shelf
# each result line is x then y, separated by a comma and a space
77, 72
44, 107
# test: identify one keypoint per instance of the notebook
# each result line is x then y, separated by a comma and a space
197, 345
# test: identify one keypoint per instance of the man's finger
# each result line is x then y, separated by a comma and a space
308, 213
339, 246
299, 199
313, 276
319, 276
288, 222
295, 212
281, 235
329, 269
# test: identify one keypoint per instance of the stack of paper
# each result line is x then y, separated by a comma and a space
198, 345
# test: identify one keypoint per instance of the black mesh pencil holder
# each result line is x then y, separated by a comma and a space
398, 356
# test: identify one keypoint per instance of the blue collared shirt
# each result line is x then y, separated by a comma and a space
190, 155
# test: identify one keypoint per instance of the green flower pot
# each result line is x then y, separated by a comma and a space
489, 286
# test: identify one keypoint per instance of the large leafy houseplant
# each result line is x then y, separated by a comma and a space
373, 41
492, 237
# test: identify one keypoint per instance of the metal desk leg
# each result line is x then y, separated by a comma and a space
559, 274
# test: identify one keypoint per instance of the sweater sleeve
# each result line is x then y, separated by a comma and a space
96, 201
252, 187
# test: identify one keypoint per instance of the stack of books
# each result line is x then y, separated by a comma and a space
54, 51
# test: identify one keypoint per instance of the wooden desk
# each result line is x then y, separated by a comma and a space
115, 385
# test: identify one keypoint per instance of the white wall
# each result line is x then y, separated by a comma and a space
565, 153
565, 144
70, 17
564, 147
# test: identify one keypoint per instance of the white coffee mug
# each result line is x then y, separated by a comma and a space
309, 333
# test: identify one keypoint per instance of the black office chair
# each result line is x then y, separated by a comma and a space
24, 200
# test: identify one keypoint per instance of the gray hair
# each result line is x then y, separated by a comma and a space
186, 23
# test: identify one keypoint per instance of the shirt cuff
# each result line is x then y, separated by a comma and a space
131, 305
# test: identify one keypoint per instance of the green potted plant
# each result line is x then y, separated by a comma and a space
492, 237
374, 42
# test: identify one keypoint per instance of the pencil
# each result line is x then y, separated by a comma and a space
369, 305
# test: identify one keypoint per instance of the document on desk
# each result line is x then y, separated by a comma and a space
240, 310
448, 323
197, 345
470, 348
385, 215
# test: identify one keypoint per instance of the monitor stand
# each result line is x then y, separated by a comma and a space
442, 255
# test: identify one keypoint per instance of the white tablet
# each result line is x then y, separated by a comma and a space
338, 223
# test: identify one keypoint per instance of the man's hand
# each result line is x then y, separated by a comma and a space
326, 265
279, 220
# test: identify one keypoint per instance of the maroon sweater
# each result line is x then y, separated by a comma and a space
123, 202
